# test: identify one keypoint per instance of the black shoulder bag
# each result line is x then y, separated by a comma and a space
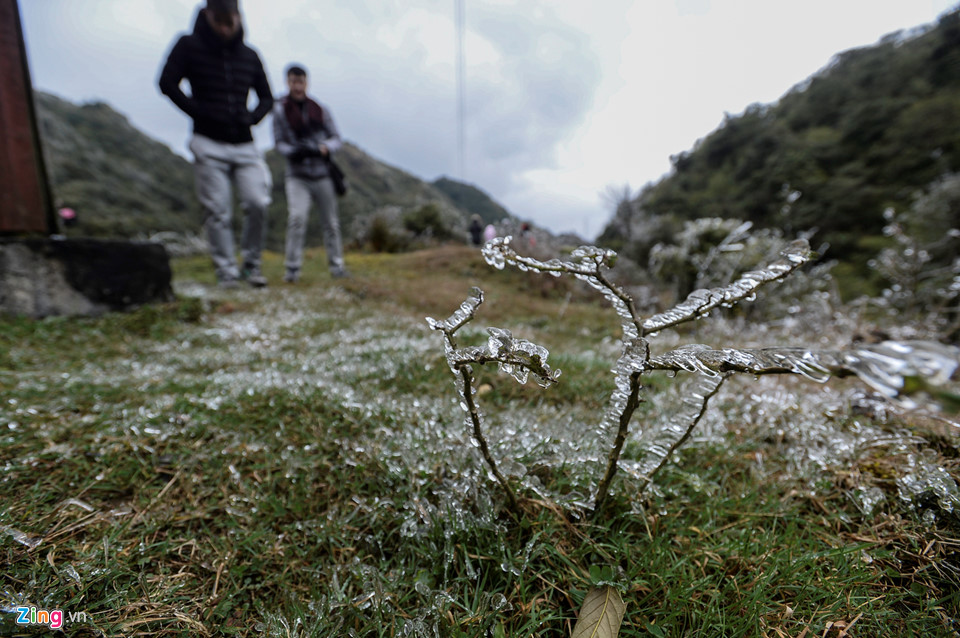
339, 179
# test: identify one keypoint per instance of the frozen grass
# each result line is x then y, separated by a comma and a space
292, 462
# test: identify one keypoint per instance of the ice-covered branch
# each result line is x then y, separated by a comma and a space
459, 361
475, 420
591, 265
895, 369
461, 316
887, 367
660, 444
701, 302
517, 357
498, 254
630, 402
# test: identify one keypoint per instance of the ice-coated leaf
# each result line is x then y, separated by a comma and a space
700, 302
600, 615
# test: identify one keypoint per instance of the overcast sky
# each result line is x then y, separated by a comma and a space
564, 98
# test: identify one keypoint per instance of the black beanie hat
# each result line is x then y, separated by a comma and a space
223, 6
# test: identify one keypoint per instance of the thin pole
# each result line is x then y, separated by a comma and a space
461, 90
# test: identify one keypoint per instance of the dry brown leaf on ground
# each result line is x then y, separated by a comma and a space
601, 614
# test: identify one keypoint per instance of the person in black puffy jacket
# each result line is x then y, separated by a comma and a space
221, 71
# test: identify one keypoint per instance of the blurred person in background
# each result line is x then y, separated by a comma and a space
304, 133
222, 70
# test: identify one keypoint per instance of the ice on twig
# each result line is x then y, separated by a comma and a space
701, 302
516, 357
461, 316
24, 539
658, 444
633, 358
886, 367
894, 369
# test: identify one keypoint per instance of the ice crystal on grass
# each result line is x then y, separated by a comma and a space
24, 539
929, 484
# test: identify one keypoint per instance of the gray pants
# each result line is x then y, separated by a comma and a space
300, 193
216, 165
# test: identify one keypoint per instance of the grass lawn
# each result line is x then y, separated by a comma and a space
292, 461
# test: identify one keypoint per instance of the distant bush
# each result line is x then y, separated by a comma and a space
383, 237
427, 222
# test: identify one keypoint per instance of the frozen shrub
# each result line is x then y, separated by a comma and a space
892, 369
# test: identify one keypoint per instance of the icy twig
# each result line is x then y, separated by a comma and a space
516, 357
632, 402
682, 424
887, 367
700, 302
466, 377
591, 266
895, 369
461, 316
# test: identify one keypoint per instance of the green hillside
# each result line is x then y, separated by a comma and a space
472, 199
870, 131
120, 181
124, 184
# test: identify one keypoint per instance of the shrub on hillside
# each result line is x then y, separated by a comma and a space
427, 222
711, 251
383, 235
921, 268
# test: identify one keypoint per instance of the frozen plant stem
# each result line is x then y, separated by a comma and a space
467, 376
516, 356
590, 264
692, 421
633, 401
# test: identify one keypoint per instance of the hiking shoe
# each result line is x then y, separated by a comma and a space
292, 276
253, 277
340, 273
228, 283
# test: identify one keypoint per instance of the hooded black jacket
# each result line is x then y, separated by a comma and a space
221, 74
